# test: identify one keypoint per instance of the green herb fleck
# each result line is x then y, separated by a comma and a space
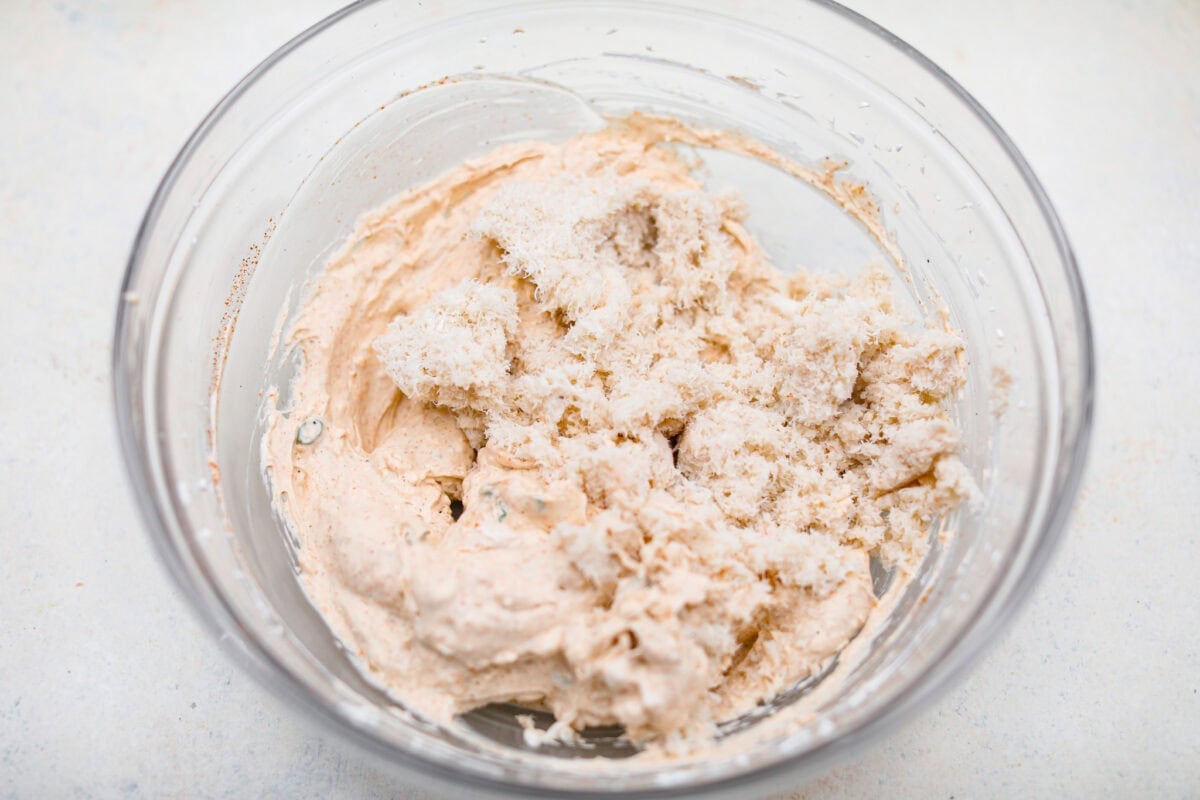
310, 430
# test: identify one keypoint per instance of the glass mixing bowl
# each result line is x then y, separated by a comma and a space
360, 107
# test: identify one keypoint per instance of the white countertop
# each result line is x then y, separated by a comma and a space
110, 688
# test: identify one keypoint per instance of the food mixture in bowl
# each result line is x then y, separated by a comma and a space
562, 436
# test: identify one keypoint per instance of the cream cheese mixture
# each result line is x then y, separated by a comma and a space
562, 436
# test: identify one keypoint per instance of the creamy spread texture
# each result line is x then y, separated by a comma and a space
581, 446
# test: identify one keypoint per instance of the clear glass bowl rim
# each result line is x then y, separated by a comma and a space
242, 645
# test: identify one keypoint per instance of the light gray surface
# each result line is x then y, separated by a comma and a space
108, 686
